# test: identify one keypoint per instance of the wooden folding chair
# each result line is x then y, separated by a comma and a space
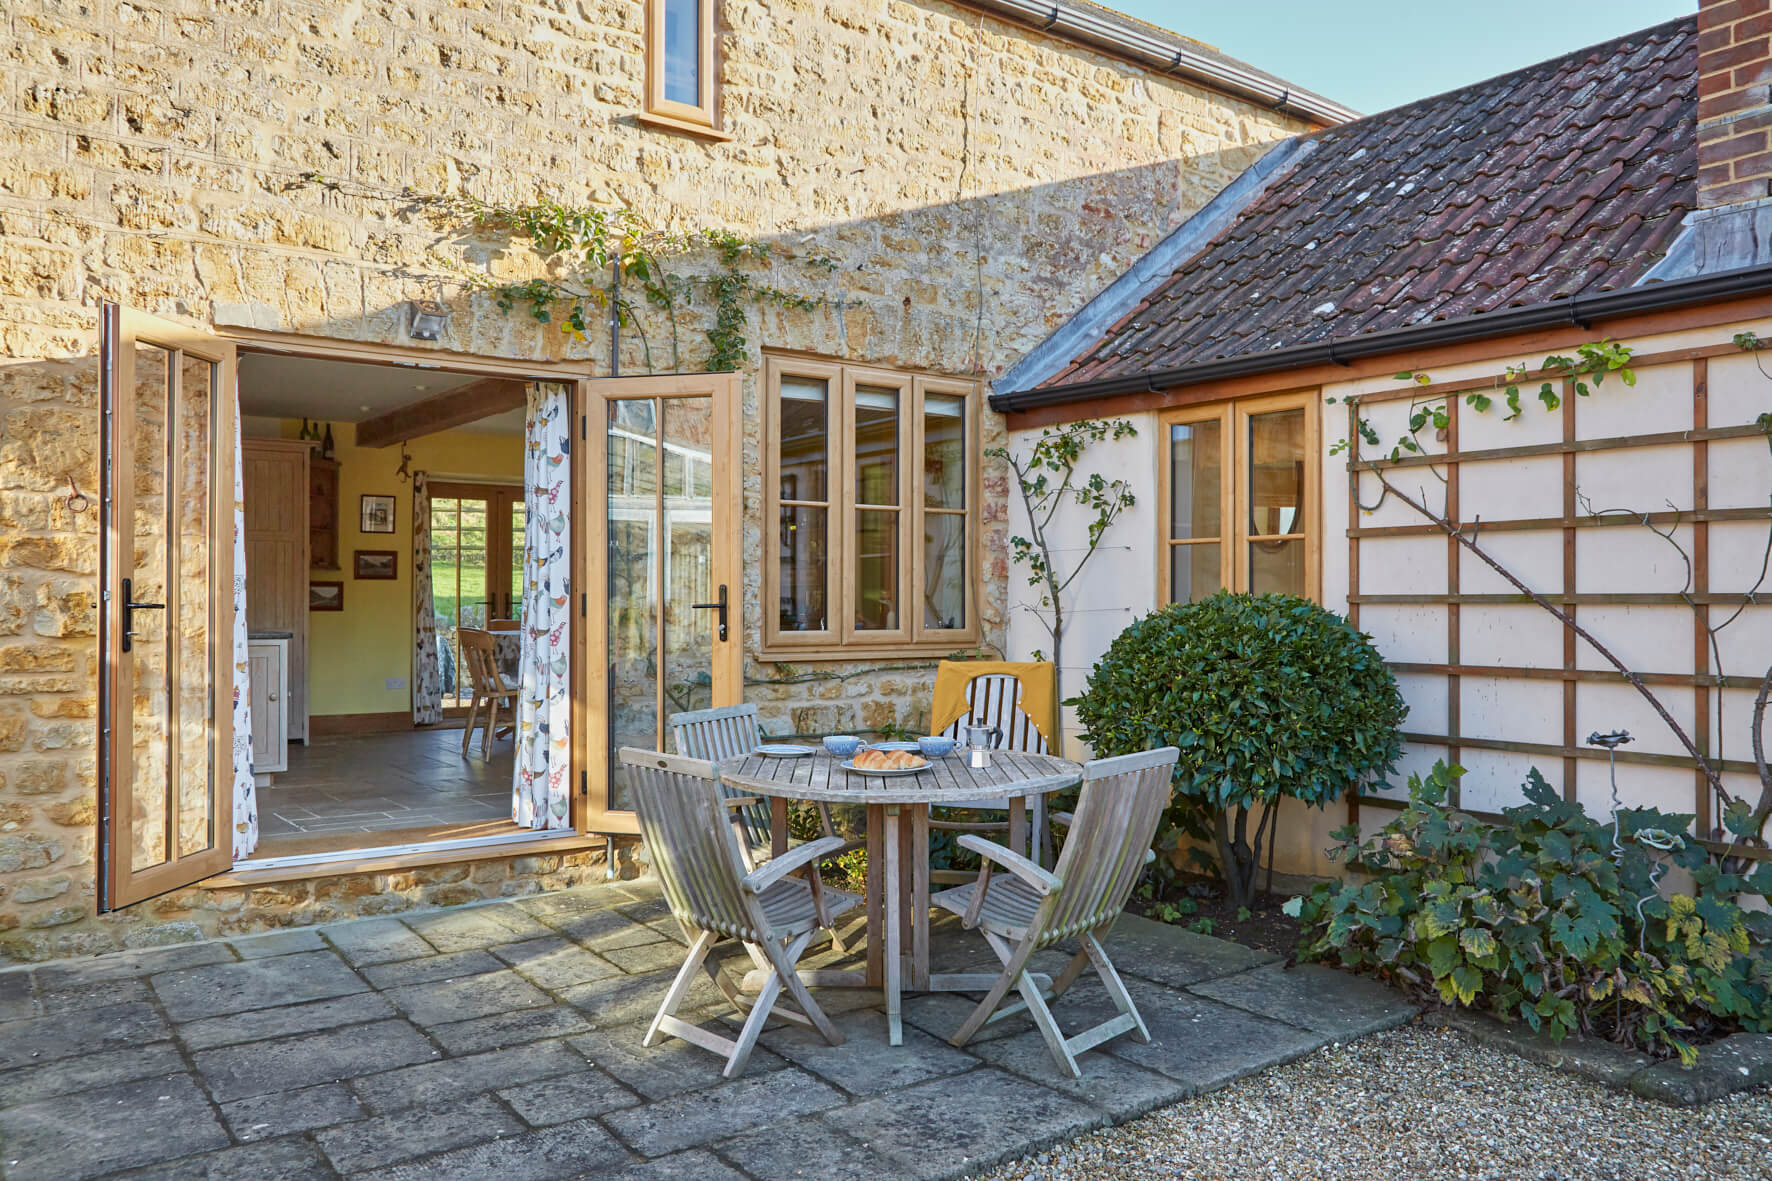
993, 699
723, 733
1106, 850
695, 853
491, 688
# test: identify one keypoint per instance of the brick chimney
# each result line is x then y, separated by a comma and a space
1734, 101
1730, 227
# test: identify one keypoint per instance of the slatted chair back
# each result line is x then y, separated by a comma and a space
693, 848
995, 700
479, 652
723, 733
1118, 808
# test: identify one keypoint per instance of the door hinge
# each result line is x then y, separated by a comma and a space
584, 426
584, 783
584, 603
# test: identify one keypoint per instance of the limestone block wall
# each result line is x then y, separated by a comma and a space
973, 181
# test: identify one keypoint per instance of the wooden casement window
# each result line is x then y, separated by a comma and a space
1239, 503
682, 66
871, 511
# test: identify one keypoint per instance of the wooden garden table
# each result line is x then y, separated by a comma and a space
895, 846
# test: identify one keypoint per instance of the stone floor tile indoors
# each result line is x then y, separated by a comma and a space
504, 1040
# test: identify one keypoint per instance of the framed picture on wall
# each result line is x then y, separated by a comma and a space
377, 565
326, 596
378, 514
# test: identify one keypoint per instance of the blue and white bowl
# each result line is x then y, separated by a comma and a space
842, 745
935, 746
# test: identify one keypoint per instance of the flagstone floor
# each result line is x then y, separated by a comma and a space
504, 1040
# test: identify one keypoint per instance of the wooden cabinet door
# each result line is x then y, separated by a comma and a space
276, 497
267, 667
166, 788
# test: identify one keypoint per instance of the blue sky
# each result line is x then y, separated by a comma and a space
1374, 54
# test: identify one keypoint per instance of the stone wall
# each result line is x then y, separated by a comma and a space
974, 183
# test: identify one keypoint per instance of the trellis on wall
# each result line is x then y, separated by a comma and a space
1659, 531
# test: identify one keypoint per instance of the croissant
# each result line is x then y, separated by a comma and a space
888, 760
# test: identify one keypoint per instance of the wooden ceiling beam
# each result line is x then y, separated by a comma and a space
452, 408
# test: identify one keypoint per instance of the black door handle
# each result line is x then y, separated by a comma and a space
717, 605
130, 606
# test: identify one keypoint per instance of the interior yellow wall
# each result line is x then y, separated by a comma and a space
352, 653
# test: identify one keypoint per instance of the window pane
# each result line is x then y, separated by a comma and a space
1276, 472
1194, 472
944, 570
804, 448
189, 611
682, 50
876, 445
1276, 567
151, 572
944, 451
876, 568
803, 570
1193, 572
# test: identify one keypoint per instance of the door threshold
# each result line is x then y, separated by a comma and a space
396, 857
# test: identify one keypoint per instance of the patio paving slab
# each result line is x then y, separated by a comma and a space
103, 1130
283, 1064
265, 1117
389, 1139
211, 991
1322, 999
260, 1024
505, 1040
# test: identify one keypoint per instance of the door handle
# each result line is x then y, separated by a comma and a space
719, 605
129, 609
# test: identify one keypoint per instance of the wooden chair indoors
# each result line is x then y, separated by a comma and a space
706, 883
1018, 913
491, 688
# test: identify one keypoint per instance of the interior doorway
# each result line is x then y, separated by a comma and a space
386, 527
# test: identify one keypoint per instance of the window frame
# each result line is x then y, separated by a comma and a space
841, 639
702, 117
1235, 529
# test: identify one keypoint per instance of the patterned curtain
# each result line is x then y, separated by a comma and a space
540, 789
245, 792
427, 677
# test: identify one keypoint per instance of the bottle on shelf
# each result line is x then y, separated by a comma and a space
326, 443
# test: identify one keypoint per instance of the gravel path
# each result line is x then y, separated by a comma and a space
1420, 1102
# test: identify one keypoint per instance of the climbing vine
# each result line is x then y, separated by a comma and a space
1586, 371
595, 257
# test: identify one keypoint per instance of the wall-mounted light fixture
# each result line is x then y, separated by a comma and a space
428, 318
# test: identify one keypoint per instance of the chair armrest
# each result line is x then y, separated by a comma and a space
776, 868
1065, 818
740, 801
1014, 862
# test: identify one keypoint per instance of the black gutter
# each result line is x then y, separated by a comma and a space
1577, 310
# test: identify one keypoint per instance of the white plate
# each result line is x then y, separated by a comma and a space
892, 773
782, 750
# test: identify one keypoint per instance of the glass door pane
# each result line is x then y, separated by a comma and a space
149, 638
165, 642
459, 562
518, 517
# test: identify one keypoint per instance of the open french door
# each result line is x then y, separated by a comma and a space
167, 613
660, 537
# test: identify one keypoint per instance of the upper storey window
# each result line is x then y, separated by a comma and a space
681, 85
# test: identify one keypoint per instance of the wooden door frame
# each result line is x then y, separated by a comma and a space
591, 674
573, 374
121, 330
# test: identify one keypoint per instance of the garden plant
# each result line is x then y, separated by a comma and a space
1620, 928
1267, 696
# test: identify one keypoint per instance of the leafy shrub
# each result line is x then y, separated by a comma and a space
1551, 917
1266, 695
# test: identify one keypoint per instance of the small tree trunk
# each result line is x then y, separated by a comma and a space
1235, 859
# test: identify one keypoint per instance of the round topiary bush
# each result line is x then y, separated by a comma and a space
1266, 696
